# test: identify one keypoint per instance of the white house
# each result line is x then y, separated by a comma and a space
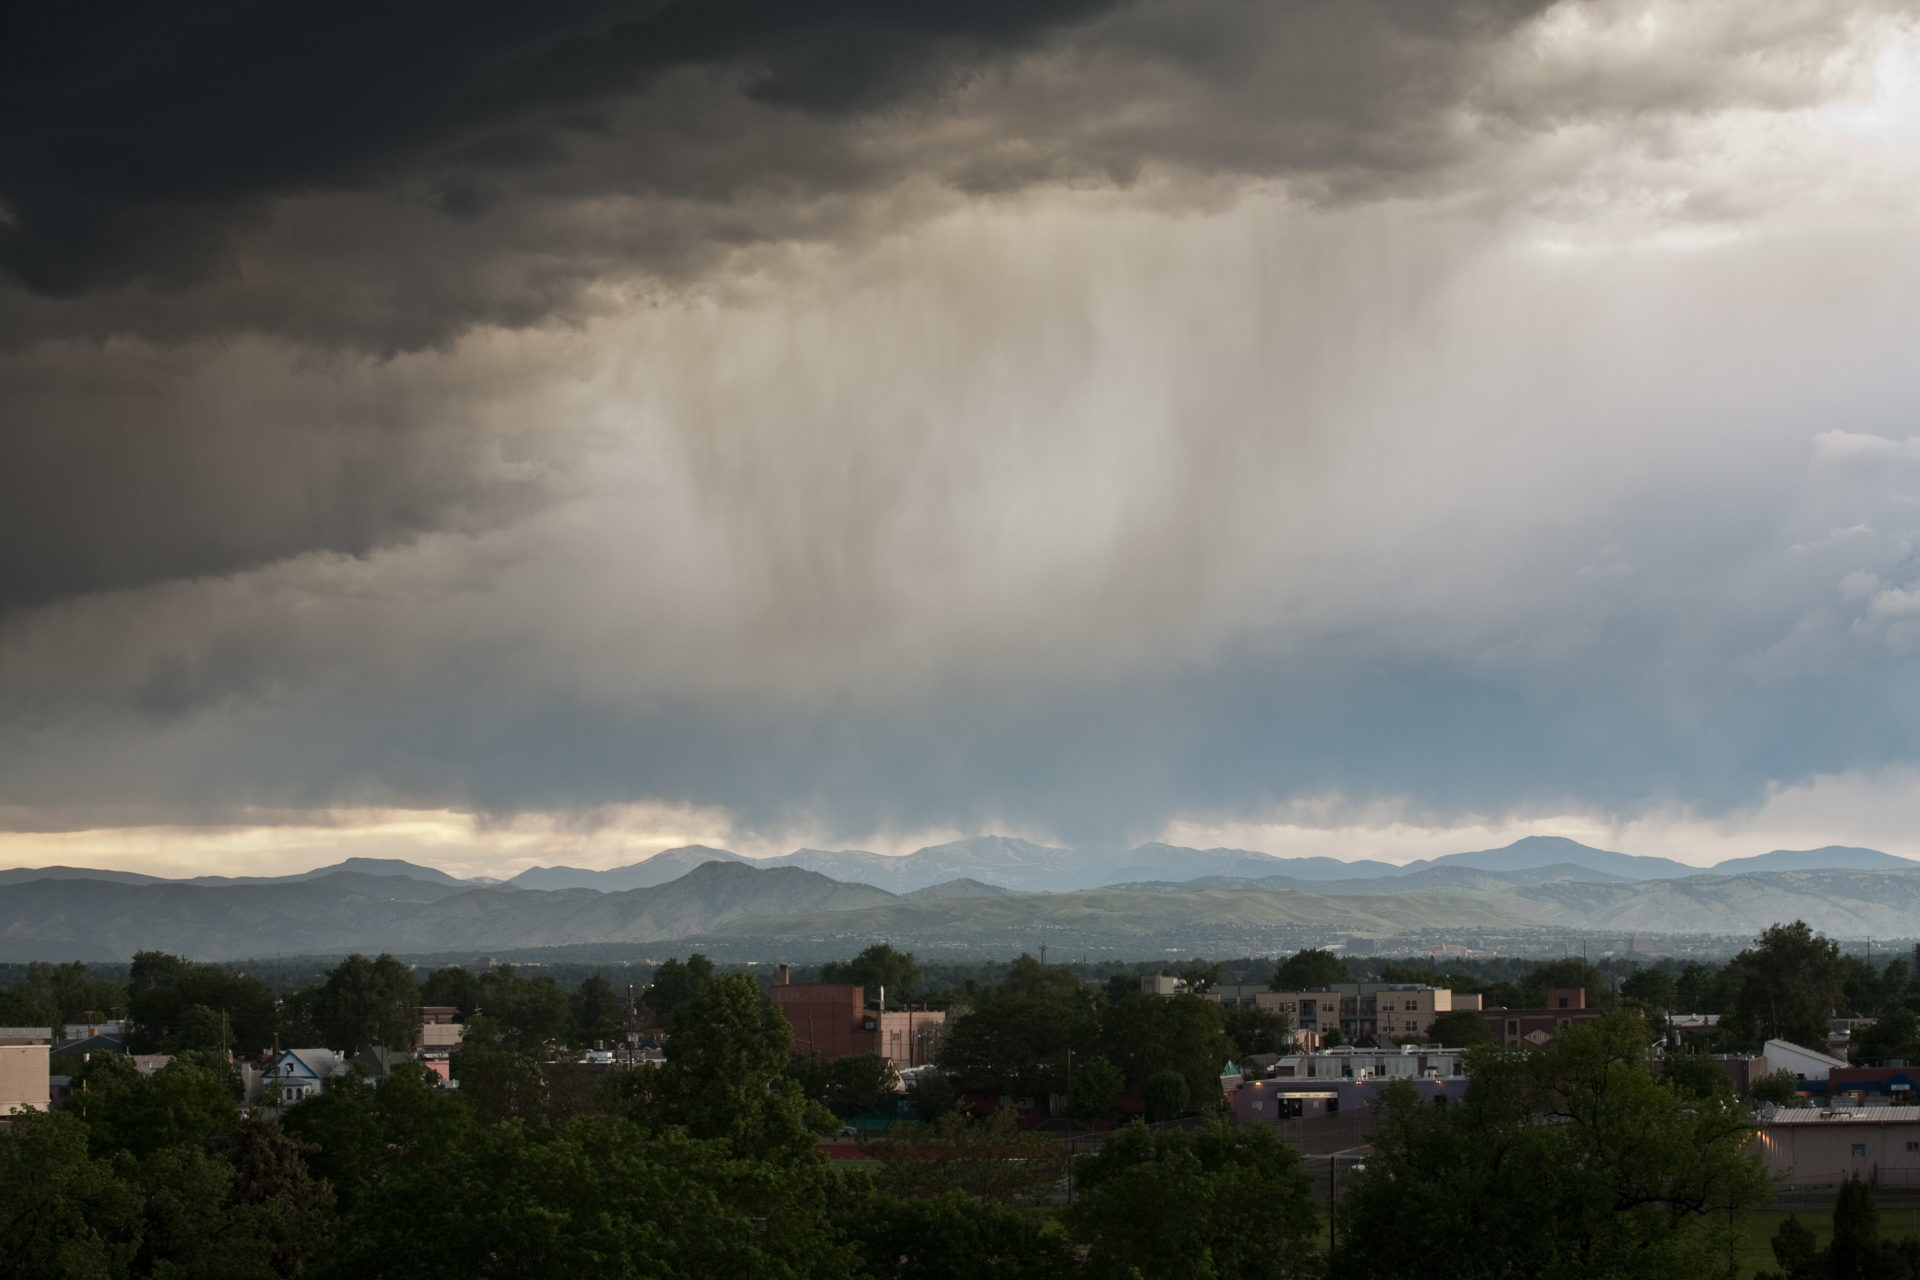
1805, 1063
301, 1073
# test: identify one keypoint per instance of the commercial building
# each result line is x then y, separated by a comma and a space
1566, 1007
835, 1020
1809, 1066
1273, 1101
1366, 1013
1811, 1147
24, 1080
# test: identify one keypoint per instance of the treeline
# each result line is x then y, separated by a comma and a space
1573, 1160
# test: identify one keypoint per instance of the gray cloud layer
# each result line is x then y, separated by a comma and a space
1068, 415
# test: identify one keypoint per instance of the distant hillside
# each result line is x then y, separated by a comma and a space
669, 864
955, 889
1834, 857
1139, 924
99, 920
21, 875
1535, 852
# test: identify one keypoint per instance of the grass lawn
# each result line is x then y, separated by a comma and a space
1753, 1245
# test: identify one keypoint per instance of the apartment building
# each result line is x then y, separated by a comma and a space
1364, 1012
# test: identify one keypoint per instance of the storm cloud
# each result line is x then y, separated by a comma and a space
861, 417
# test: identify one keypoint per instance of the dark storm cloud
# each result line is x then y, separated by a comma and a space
139, 137
372, 181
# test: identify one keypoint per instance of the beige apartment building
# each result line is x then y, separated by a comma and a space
24, 1083
1371, 1012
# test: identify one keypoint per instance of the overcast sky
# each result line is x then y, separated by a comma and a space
511, 434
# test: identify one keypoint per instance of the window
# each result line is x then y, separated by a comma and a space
1412, 1025
1326, 1008
1913, 1147
1859, 1149
1563, 1002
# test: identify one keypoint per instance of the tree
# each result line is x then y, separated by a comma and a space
599, 1013
1652, 990
952, 1236
1635, 1178
1459, 1029
1220, 1203
186, 1101
1185, 1034
933, 1096
1694, 1075
64, 1215
75, 992
675, 983
989, 1160
593, 1198
1310, 970
1784, 987
1255, 1030
1565, 973
878, 967
1165, 1093
20, 1007
1016, 1044
200, 1028
1780, 1088
1096, 1089
725, 1049
1331, 1036
530, 1014
452, 987
497, 1079
367, 1002
861, 1084
1895, 1035
164, 988
1201, 974
1856, 1251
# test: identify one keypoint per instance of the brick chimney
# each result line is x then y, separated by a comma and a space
785, 976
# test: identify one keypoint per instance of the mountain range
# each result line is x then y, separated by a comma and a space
1165, 897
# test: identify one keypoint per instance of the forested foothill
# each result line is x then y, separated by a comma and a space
727, 1156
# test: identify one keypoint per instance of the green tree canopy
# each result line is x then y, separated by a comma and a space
1569, 1161
367, 1002
1785, 986
452, 987
1220, 1203
64, 1214
953, 1236
675, 983
165, 988
1309, 970
1184, 1034
1459, 1029
877, 967
1257, 1030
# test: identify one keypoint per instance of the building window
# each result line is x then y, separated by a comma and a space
1859, 1149
1913, 1147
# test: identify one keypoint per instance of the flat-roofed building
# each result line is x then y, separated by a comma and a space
25, 1084
1809, 1147
1566, 1007
835, 1020
1365, 1012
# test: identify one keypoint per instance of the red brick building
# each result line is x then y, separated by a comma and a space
835, 1020
1566, 1007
